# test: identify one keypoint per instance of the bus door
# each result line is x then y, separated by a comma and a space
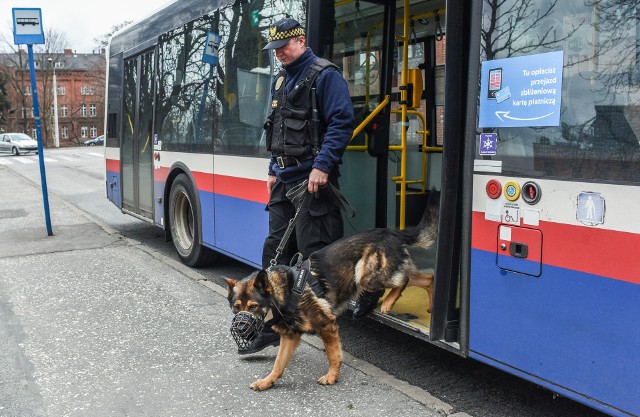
394, 71
137, 145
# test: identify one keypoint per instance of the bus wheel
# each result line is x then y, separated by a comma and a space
183, 222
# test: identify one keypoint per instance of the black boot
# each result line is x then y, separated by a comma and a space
266, 338
366, 303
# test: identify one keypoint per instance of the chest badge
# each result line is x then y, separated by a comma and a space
279, 82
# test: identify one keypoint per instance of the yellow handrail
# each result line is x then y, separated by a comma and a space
365, 122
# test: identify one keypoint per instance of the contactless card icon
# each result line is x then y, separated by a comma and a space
503, 95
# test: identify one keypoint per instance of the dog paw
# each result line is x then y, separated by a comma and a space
261, 385
386, 307
327, 380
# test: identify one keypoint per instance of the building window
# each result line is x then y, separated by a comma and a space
63, 110
25, 112
65, 132
62, 90
83, 110
93, 131
86, 90
83, 131
58, 65
92, 110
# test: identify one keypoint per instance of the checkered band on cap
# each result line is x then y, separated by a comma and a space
274, 35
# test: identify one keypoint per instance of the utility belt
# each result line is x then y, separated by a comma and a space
284, 161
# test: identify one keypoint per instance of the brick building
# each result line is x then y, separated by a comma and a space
80, 80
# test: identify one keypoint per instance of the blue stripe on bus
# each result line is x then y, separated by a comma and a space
240, 226
577, 330
113, 188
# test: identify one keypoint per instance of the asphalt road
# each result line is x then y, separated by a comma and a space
77, 176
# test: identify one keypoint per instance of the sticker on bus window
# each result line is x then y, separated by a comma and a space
522, 91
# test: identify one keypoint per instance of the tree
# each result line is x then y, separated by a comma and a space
5, 105
102, 41
508, 26
17, 74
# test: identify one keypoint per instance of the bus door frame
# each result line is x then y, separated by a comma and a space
136, 54
448, 322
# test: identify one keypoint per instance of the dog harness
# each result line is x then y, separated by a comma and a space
303, 276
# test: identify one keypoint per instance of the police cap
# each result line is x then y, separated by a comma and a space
283, 30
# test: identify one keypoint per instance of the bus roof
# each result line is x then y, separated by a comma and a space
167, 17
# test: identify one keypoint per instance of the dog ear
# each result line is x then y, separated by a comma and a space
261, 283
231, 283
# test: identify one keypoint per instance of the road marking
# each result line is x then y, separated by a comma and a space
50, 160
4, 161
99, 155
65, 158
25, 161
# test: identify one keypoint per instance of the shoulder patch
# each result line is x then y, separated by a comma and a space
279, 82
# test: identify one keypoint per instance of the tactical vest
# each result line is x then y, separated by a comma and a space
290, 128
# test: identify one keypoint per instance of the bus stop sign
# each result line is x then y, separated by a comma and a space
27, 26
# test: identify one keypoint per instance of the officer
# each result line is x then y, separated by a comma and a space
306, 138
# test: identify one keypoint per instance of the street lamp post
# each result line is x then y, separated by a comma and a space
55, 105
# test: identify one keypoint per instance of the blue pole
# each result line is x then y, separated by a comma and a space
36, 115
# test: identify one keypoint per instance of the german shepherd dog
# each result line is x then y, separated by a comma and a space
366, 261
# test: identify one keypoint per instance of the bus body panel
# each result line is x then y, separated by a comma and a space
112, 165
575, 325
232, 208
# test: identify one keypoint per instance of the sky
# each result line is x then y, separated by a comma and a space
80, 20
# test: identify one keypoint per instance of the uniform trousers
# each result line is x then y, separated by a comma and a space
319, 222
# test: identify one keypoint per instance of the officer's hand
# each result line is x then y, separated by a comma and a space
317, 179
271, 179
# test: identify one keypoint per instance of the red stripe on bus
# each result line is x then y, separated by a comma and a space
243, 188
603, 252
113, 165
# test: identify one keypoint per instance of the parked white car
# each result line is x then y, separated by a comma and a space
17, 143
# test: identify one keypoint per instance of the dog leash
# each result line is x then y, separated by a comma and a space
298, 196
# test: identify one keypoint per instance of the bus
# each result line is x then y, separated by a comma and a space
525, 115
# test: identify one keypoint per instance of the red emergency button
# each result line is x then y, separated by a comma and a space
494, 188
531, 192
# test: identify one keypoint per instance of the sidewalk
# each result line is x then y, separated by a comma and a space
92, 324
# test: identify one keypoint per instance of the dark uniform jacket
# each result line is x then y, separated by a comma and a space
336, 114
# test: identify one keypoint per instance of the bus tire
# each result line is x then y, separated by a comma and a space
184, 225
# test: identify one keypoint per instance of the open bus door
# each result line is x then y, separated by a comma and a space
393, 57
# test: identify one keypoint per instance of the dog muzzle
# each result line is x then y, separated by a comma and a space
245, 328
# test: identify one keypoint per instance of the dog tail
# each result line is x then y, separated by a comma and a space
425, 235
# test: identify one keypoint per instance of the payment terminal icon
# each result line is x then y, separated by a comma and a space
495, 82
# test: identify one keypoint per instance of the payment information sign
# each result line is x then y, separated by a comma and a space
522, 91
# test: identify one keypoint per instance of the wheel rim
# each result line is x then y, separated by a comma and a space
183, 222
15, 151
